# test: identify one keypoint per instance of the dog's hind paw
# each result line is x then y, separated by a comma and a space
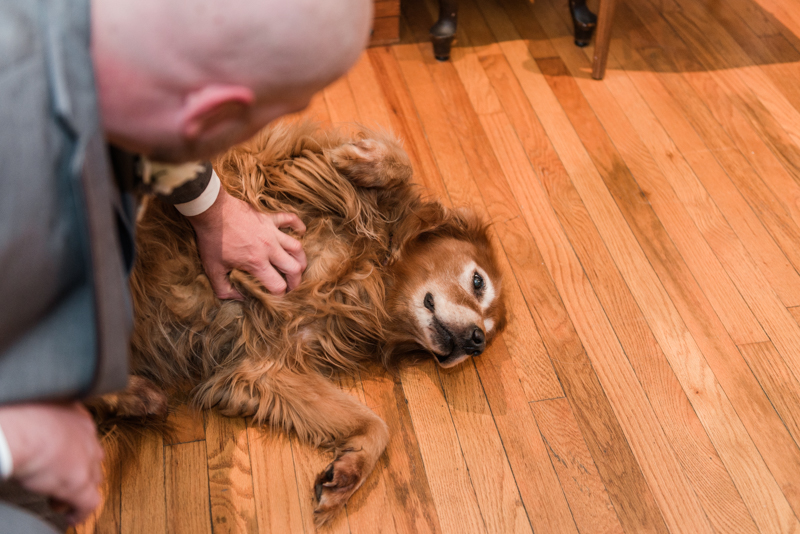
334, 486
372, 163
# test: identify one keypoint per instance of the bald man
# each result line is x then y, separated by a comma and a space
173, 81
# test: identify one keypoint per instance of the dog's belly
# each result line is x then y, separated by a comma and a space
326, 251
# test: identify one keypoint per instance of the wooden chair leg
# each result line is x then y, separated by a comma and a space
605, 21
444, 31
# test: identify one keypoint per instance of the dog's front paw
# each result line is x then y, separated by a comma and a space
372, 163
334, 486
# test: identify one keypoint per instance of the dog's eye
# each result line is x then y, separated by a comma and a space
477, 282
429, 301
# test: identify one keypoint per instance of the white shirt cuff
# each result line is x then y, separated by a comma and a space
6, 461
204, 201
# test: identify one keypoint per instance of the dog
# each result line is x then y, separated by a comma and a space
391, 277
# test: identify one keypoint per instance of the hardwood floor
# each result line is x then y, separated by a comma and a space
649, 226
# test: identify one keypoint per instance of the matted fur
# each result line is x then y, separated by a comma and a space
369, 233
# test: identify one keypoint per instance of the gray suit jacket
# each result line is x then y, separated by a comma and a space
65, 313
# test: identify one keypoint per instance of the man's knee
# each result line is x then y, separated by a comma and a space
14, 519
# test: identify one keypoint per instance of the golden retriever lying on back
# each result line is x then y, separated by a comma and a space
390, 278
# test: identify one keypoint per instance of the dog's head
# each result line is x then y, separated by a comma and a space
447, 298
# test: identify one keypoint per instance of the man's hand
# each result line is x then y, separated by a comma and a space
232, 234
56, 453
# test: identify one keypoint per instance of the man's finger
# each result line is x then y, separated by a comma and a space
290, 268
222, 286
283, 220
294, 248
96, 472
270, 279
83, 503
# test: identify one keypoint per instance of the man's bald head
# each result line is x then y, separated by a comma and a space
181, 79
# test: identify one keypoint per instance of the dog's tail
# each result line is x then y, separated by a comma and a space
124, 437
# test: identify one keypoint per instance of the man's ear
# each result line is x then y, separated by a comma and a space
212, 105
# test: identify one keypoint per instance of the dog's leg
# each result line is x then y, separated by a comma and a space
320, 414
373, 162
140, 399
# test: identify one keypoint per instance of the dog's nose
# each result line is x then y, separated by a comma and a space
476, 343
477, 336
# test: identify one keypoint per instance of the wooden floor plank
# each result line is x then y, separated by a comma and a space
187, 488
586, 493
545, 503
679, 421
795, 311
368, 509
788, 22
411, 503
778, 382
771, 153
489, 470
373, 110
185, 424
275, 491
344, 109
405, 122
308, 463
619, 382
317, 110
771, 50
450, 483
768, 207
230, 479
142, 497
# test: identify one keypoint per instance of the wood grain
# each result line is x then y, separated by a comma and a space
452, 488
142, 498
369, 508
582, 485
778, 382
186, 425
230, 480
308, 463
275, 491
186, 488
408, 493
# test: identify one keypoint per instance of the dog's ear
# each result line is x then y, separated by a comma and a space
467, 225
431, 220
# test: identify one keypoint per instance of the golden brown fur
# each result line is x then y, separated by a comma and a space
371, 241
